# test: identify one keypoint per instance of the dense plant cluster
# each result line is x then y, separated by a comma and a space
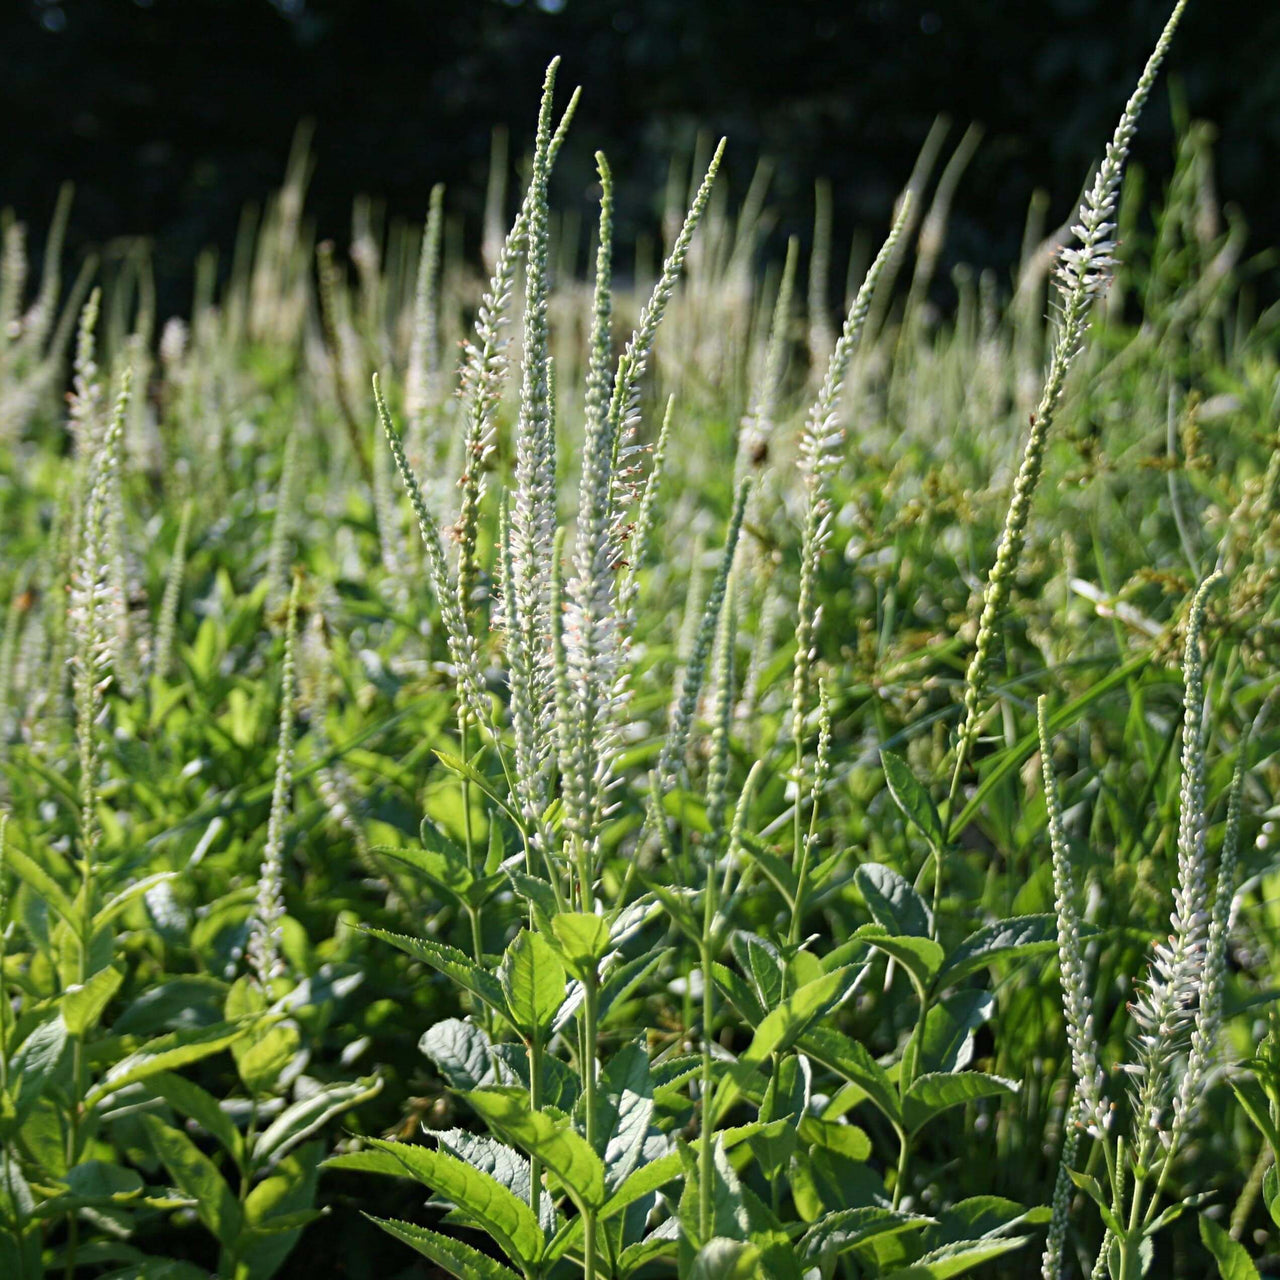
702, 793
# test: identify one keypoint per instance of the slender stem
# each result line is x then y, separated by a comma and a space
705, 1166
589, 1007
535, 1104
904, 1158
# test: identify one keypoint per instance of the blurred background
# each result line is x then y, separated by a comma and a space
172, 115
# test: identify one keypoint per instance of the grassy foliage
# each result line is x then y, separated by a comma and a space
727, 792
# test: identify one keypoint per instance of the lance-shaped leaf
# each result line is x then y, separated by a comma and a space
304, 1117
1002, 940
453, 1256
562, 1150
533, 982
485, 1200
893, 903
835, 1233
914, 801
452, 963
197, 1176
935, 1093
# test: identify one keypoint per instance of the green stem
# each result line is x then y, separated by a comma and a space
589, 1009
904, 1158
708, 1016
535, 1104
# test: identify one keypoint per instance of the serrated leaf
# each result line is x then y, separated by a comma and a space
189, 1098
893, 903
451, 962
458, 1259
914, 801
932, 1094
625, 1093
460, 1052
955, 1259
582, 940
560, 1148
1002, 940
533, 982
34, 1065
507, 1219
920, 957
844, 1229
854, 1062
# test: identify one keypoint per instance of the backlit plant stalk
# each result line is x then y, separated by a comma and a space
263, 950
1082, 275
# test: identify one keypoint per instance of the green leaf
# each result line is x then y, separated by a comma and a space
453, 1256
555, 1142
189, 1098
723, 1259
583, 941
118, 902
493, 1207
34, 1066
835, 1233
955, 1259
451, 963
920, 957
46, 888
464, 770
1233, 1262
82, 1005
168, 1052
784, 1026
947, 1043
453, 878
740, 995
533, 982
460, 1052
914, 801
893, 903
625, 1100
853, 1061
197, 1176
932, 1094
1019, 936
1252, 1097
304, 1117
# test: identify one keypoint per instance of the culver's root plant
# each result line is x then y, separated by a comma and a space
779, 813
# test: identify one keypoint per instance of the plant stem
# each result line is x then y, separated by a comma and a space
590, 1001
535, 1104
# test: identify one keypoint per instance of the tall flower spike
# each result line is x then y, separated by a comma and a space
167, 623
722, 722
421, 383
682, 712
1163, 1009
1208, 1019
462, 645
484, 373
1082, 274
592, 639
532, 513
1077, 1005
624, 407
263, 949
757, 427
820, 444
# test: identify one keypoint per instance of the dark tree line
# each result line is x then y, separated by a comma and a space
172, 114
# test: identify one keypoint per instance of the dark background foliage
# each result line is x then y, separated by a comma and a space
171, 115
